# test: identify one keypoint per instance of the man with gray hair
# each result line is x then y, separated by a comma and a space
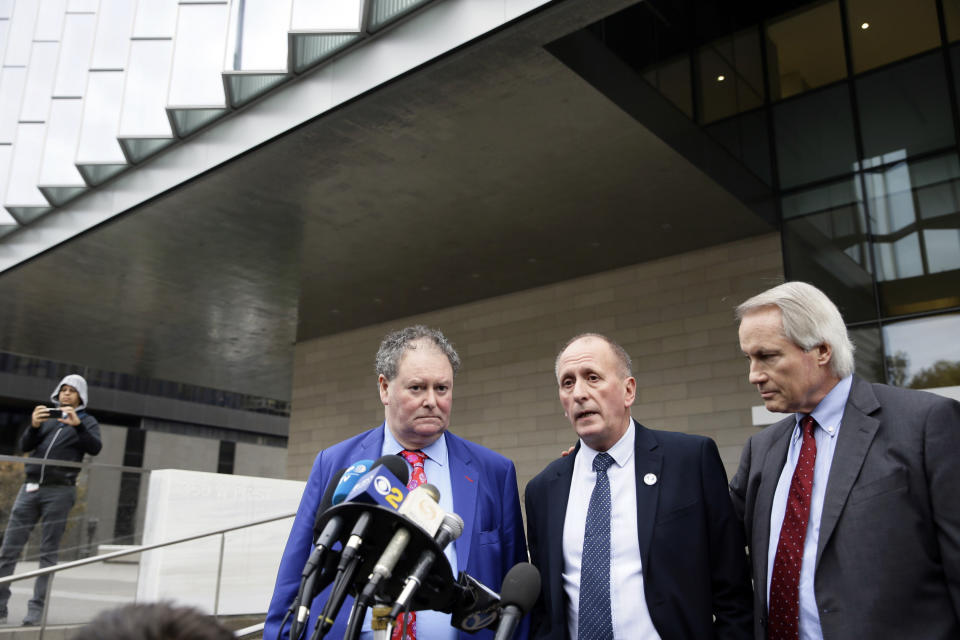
415, 369
850, 504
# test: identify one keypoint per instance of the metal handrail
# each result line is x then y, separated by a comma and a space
53, 462
138, 549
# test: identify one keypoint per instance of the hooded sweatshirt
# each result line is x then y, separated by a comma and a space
55, 440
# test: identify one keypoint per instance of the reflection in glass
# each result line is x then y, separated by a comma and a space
868, 354
805, 50
951, 15
810, 145
915, 216
672, 80
825, 242
895, 30
923, 353
905, 107
730, 76
745, 136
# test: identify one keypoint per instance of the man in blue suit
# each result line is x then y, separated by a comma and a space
415, 371
634, 533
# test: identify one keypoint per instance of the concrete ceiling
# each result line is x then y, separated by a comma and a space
493, 170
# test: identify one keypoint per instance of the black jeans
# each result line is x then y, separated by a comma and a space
52, 504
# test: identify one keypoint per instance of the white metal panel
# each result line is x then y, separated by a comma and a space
39, 87
331, 15
195, 78
60, 147
83, 6
6, 8
6, 152
71, 76
145, 93
111, 43
155, 19
101, 117
4, 33
12, 81
25, 167
50, 19
257, 38
22, 24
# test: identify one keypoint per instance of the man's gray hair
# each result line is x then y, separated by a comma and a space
623, 358
809, 319
396, 343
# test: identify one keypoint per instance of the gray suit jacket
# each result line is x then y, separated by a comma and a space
888, 556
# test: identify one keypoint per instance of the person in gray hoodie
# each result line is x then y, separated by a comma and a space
49, 491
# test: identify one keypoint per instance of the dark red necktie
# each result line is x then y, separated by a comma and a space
784, 622
417, 477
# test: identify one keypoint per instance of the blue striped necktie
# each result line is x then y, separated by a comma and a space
596, 621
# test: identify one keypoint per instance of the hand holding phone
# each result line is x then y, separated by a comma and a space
56, 413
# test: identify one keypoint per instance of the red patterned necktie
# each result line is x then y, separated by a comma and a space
417, 477
784, 623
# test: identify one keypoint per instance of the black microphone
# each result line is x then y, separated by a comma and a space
420, 508
398, 467
308, 575
473, 605
349, 558
450, 530
521, 587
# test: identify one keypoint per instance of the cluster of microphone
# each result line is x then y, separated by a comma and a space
383, 545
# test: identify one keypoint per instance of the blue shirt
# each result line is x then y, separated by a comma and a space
828, 414
430, 624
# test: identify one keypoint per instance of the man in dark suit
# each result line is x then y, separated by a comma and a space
850, 505
415, 368
634, 534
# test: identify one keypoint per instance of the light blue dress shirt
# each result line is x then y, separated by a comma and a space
430, 624
828, 414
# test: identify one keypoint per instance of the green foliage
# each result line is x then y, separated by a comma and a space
942, 373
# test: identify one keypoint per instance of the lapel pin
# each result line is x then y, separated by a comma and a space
650, 479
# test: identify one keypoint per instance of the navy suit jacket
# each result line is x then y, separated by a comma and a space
484, 495
691, 544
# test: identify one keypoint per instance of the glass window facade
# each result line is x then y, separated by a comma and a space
805, 50
883, 31
854, 129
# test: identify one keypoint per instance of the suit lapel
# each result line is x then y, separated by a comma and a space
773, 463
462, 467
646, 461
857, 431
556, 495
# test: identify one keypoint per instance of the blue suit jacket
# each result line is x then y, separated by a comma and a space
695, 573
484, 495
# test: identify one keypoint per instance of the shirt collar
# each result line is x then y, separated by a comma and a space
621, 452
829, 413
437, 451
